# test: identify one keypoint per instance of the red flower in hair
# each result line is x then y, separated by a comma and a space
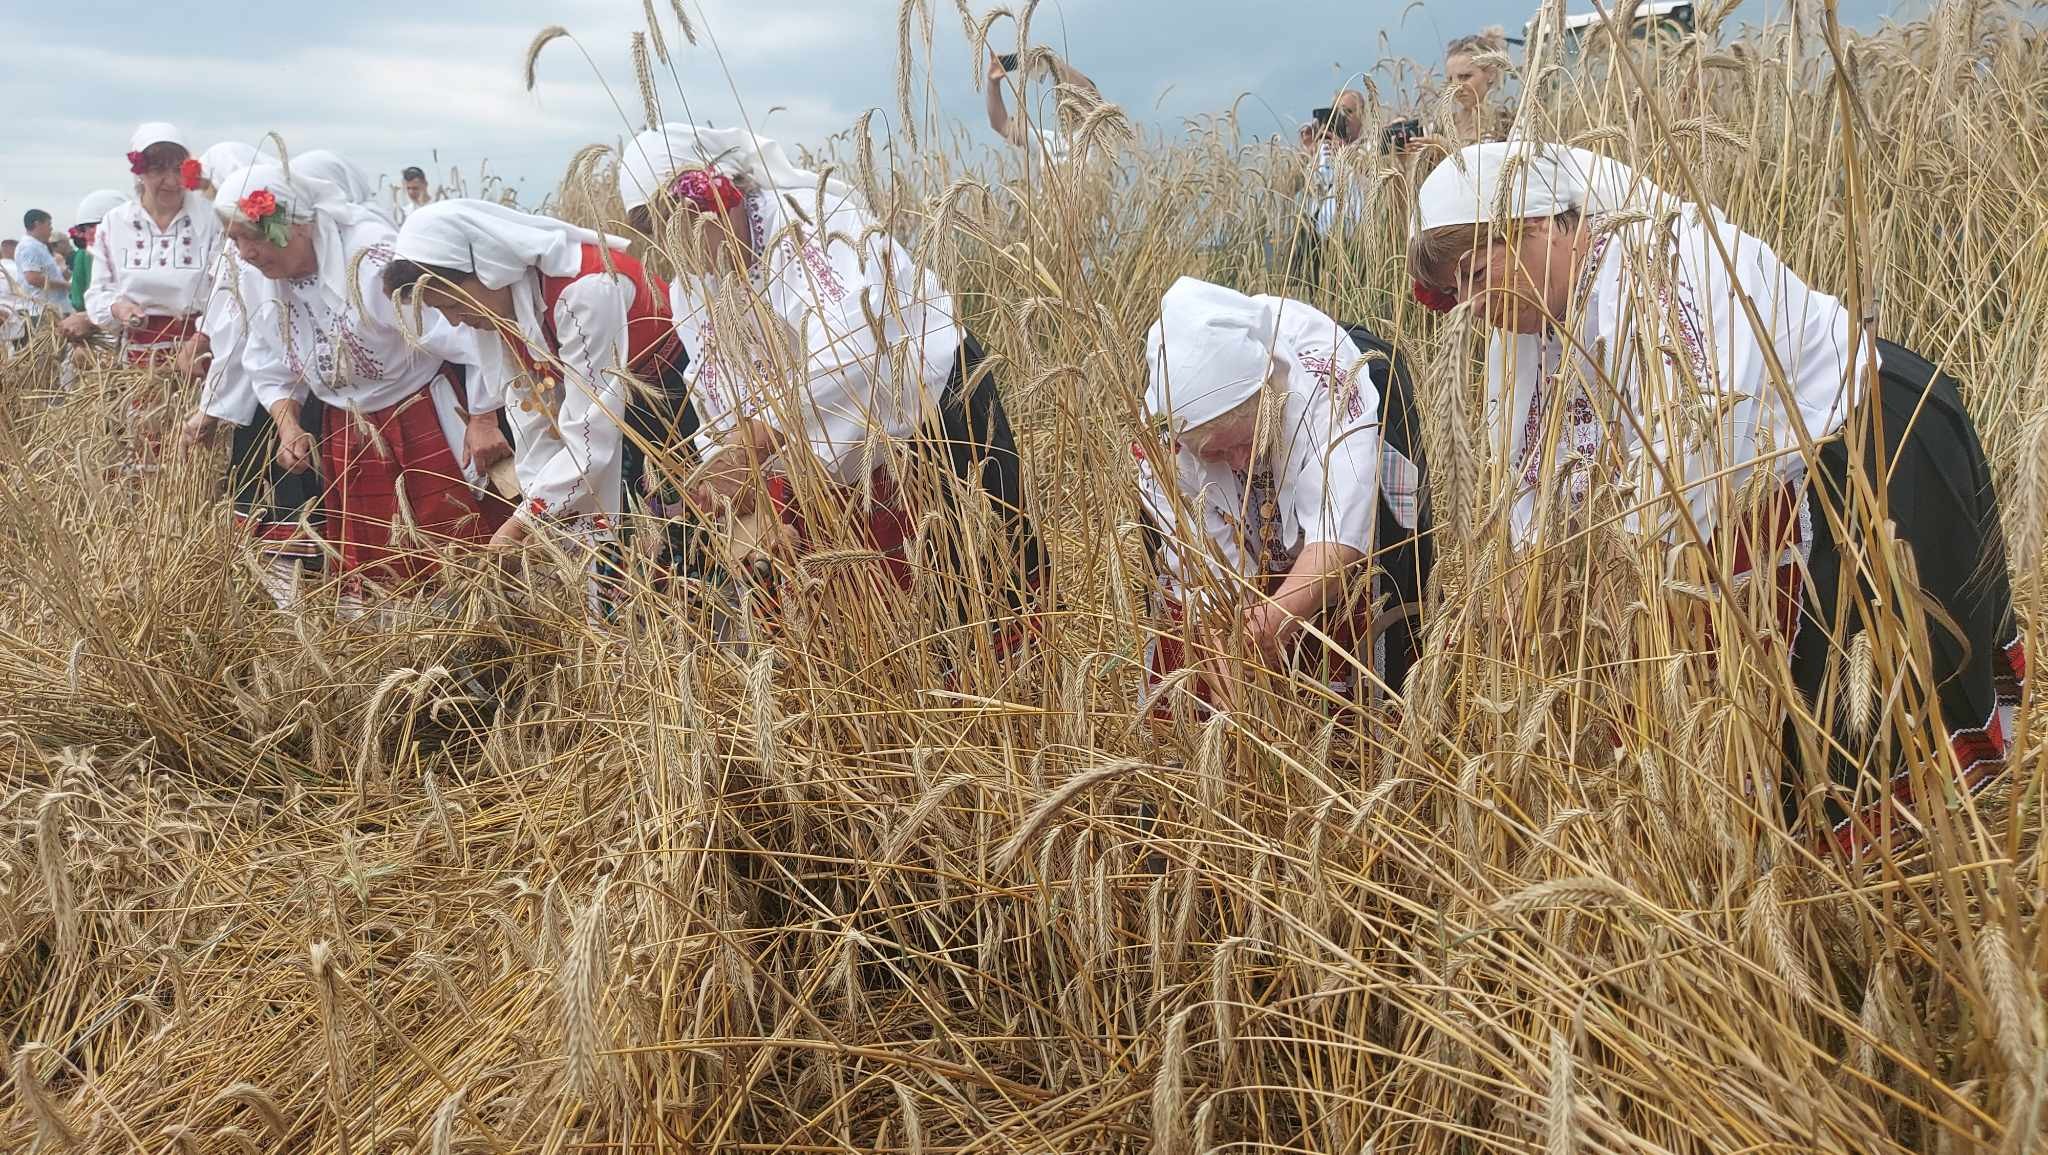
136, 164
707, 189
258, 205
1435, 300
191, 173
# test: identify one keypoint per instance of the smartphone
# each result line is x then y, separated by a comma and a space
1399, 134
1008, 61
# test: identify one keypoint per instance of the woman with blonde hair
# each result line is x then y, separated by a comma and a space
1289, 493
1471, 79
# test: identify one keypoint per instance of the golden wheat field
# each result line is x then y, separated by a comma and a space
487, 877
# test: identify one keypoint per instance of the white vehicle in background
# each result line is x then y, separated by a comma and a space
1664, 21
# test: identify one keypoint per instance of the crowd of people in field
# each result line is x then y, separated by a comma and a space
456, 371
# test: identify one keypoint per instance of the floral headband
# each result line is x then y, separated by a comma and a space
267, 216
706, 189
191, 173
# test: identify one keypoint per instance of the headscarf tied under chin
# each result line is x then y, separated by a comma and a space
302, 199
1210, 352
652, 159
496, 243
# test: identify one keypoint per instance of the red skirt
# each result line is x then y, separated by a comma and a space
885, 523
885, 526
157, 338
374, 459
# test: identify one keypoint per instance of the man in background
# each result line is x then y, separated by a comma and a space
14, 301
416, 192
48, 283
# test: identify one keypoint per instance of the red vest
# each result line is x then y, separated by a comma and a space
651, 340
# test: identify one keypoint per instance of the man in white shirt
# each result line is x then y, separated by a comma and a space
417, 195
13, 298
49, 284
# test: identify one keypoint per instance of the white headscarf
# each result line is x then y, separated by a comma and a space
229, 156
655, 156
1211, 351
332, 167
496, 243
302, 198
156, 132
1528, 180
97, 204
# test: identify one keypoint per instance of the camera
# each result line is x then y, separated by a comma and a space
1332, 122
1400, 134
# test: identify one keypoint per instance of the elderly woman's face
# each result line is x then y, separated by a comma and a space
295, 260
162, 181
1231, 439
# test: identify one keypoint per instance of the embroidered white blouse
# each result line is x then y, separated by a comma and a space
566, 428
166, 272
1321, 483
803, 317
228, 393
304, 339
1683, 377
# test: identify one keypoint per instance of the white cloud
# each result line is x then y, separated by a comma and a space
398, 82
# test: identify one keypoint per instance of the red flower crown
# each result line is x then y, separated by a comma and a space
258, 206
136, 163
266, 216
192, 173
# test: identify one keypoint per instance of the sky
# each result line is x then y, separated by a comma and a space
391, 83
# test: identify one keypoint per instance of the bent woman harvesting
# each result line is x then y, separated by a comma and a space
1649, 341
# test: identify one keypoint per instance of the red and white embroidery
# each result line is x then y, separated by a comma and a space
1582, 433
1338, 380
821, 273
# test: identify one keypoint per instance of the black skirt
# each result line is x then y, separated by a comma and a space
660, 415
272, 501
1403, 557
1940, 498
972, 440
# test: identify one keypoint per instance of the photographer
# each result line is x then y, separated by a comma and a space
1047, 138
1315, 183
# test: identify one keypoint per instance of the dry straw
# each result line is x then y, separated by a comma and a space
838, 878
